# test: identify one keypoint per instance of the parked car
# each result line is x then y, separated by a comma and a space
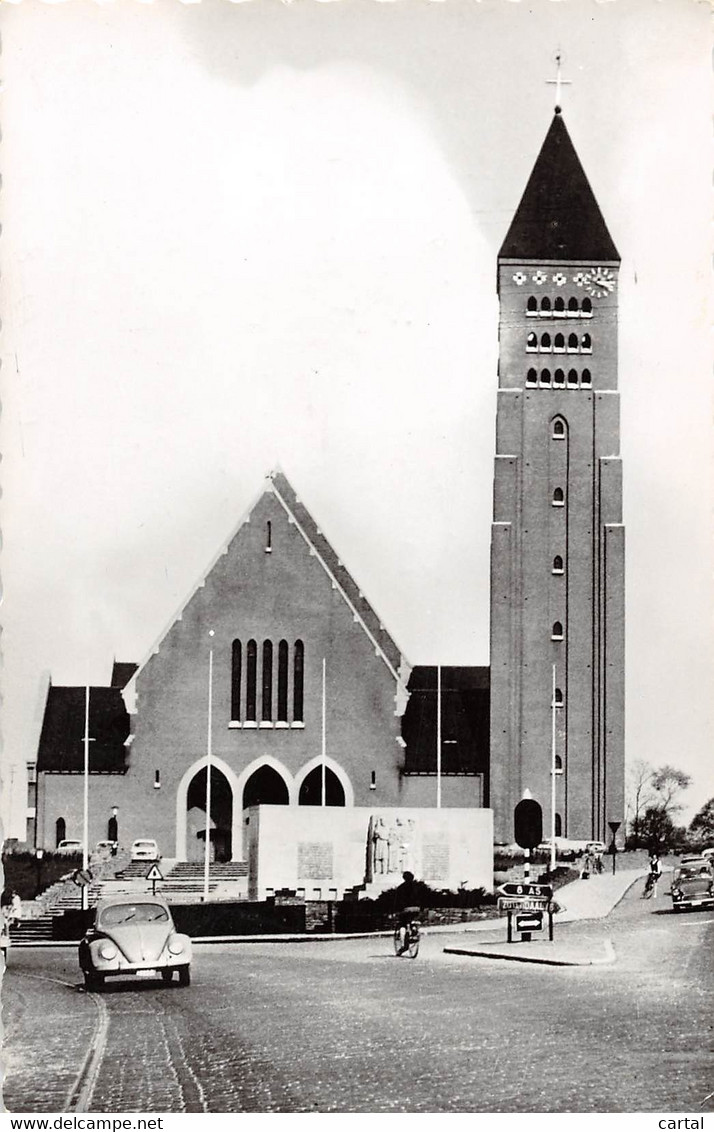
134, 937
708, 853
693, 883
596, 847
566, 848
104, 849
68, 846
144, 849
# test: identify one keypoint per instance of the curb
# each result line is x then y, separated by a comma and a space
609, 957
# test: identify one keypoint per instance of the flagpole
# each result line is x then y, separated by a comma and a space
324, 733
552, 778
209, 738
438, 736
85, 840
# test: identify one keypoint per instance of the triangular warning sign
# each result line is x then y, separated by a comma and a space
154, 873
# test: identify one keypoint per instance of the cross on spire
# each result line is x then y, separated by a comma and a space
558, 81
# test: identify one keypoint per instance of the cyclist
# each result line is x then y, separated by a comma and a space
654, 874
406, 899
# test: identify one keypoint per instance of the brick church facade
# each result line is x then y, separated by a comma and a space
304, 675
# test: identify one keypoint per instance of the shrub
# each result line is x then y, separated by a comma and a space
22, 870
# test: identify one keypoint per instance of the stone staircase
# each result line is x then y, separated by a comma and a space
35, 930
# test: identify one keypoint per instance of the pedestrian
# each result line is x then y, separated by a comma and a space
587, 867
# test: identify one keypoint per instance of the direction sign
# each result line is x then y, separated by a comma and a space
82, 878
529, 922
154, 873
524, 889
508, 904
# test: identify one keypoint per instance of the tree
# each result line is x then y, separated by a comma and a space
640, 794
668, 783
657, 830
701, 827
652, 797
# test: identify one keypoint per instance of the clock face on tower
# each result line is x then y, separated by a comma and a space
599, 282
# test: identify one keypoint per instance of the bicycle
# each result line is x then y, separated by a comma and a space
408, 942
650, 889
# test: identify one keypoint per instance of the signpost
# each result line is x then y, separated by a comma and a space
82, 878
528, 824
614, 826
523, 901
153, 875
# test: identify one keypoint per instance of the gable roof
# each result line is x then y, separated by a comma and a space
342, 581
61, 747
558, 217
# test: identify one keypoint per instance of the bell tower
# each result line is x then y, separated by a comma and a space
557, 539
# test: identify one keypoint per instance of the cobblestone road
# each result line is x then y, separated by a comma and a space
347, 1027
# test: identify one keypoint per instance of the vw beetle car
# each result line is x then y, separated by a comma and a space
693, 884
134, 936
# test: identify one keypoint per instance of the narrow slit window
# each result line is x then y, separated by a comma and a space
559, 343
251, 676
267, 698
586, 344
532, 342
532, 305
587, 308
60, 830
298, 681
558, 819
545, 377
558, 565
559, 306
545, 343
558, 697
557, 631
586, 378
558, 497
558, 426
532, 377
236, 674
573, 310
558, 768
268, 537
559, 377
572, 378
545, 305
283, 682
572, 343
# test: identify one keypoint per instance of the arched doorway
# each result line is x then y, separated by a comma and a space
221, 816
311, 789
60, 830
265, 787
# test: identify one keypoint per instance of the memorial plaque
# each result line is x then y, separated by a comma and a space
315, 860
435, 861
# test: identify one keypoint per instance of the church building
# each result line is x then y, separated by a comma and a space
279, 673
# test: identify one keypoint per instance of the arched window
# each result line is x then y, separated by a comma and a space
545, 377
559, 377
113, 829
545, 342
532, 341
586, 378
572, 343
558, 565
572, 377
558, 425
298, 681
267, 699
559, 343
532, 376
236, 672
587, 308
558, 697
559, 306
573, 308
558, 824
251, 676
558, 767
60, 830
545, 305
557, 631
558, 497
586, 344
532, 305
283, 682
311, 789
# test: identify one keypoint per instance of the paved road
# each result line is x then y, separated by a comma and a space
347, 1027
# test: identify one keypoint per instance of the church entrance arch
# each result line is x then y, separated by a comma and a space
311, 789
265, 787
221, 816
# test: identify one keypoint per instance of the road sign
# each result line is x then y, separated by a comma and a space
525, 890
154, 873
529, 922
509, 904
82, 878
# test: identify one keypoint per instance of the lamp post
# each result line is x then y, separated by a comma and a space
209, 744
614, 826
39, 854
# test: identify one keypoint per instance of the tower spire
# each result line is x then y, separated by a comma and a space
558, 81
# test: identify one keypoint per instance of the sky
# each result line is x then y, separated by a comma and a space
241, 236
